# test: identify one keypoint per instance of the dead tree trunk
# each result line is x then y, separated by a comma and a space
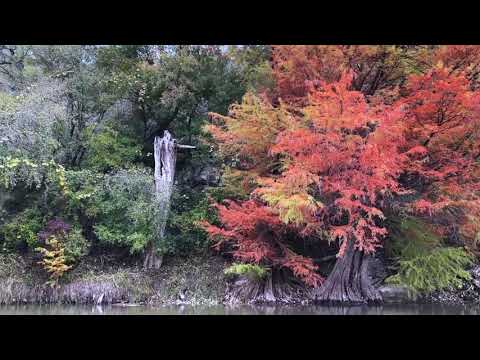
165, 152
165, 159
349, 281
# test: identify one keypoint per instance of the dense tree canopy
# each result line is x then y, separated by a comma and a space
350, 150
77, 125
352, 138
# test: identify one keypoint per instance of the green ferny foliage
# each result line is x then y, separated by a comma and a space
423, 264
441, 269
412, 237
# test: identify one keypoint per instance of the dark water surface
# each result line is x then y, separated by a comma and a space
416, 309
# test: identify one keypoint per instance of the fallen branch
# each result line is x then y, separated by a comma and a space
185, 146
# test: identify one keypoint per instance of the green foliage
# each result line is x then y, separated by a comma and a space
441, 269
76, 246
74, 123
58, 60
21, 170
183, 234
83, 184
123, 207
253, 62
28, 119
411, 237
121, 57
234, 185
14, 170
290, 206
109, 150
8, 102
169, 86
253, 271
22, 230
423, 264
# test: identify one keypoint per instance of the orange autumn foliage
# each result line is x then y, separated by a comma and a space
256, 235
461, 59
332, 166
377, 70
330, 160
442, 122
347, 152
293, 65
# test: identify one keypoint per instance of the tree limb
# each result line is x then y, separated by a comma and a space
185, 146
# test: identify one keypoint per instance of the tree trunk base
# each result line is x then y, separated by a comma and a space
153, 261
278, 287
350, 281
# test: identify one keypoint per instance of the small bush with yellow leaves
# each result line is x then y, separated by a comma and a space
54, 260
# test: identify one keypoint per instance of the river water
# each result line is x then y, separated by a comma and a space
414, 309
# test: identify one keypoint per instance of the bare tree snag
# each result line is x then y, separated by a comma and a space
165, 159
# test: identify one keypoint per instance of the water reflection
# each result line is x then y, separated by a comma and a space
413, 309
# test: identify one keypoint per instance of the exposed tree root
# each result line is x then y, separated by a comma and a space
349, 281
278, 287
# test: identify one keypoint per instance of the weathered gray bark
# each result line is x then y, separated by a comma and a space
165, 160
349, 281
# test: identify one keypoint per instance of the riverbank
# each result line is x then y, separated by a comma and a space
194, 280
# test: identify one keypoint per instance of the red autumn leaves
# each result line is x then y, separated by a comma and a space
329, 162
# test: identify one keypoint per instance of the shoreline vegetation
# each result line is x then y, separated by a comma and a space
208, 174
194, 280
105, 281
